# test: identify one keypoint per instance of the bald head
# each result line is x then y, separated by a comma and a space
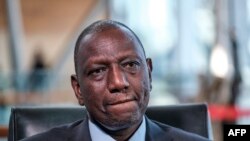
97, 27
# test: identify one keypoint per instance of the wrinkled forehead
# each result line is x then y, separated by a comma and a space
121, 37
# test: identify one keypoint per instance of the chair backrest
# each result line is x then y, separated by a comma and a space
28, 121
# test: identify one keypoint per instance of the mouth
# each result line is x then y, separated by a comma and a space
121, 101
122, 107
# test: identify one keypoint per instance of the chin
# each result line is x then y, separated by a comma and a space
123, 122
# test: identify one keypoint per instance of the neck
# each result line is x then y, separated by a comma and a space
120, 134
124, 134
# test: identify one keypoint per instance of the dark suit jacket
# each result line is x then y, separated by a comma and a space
79, 131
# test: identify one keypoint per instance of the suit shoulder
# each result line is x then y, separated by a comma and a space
59, 133
179, 134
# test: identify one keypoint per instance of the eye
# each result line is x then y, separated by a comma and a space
97, 71
132, 66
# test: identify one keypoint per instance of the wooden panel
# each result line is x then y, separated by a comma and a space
3, 21
53, 16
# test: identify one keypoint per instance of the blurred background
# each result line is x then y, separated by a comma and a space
200, 51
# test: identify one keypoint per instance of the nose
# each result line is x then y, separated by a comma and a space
117, 81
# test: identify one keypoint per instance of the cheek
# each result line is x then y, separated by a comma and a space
142, 90
146, 91
141, 85
93, 93
146, 88
145, 81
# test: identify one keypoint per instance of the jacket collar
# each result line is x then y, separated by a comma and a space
81, 132
155, 133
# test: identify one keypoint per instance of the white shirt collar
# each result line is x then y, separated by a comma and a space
98, 135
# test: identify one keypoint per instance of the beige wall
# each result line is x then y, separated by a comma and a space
47, 27
4, 54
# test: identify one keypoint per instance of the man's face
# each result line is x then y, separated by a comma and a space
113, 78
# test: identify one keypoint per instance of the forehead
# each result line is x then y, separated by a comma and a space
109, 43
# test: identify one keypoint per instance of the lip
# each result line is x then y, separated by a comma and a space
121, 101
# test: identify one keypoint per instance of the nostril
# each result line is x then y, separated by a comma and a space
116, 90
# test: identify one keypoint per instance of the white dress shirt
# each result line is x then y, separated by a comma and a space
98, 135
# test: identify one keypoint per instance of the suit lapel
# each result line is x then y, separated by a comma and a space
155, 133
81, 132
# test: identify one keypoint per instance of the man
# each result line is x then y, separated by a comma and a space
113, 81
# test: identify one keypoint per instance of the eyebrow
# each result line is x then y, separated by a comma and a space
105, 60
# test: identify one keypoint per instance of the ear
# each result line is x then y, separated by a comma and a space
76, 87
150, 69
